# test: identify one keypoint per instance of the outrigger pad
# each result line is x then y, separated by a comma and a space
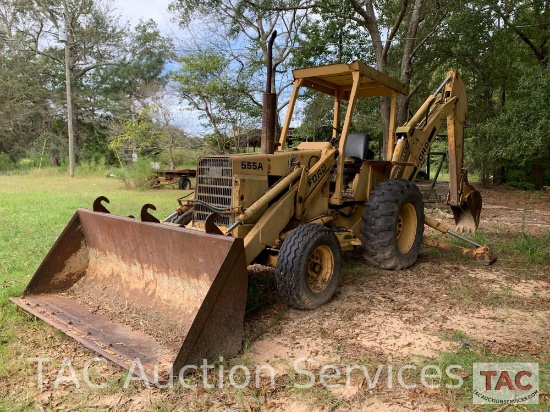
164, 295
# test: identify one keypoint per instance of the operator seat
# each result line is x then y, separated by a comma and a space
357, 149
355, 153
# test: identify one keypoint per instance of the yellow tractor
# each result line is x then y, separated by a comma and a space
172, 293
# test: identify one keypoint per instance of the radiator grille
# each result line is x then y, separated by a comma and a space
214, 186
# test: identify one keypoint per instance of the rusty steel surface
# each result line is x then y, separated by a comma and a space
169, 177
117, 342
171, 295
269, 104
179, 172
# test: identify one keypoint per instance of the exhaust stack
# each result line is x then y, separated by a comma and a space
269, 104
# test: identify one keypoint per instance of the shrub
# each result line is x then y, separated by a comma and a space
5, 162
138, 175
93, 168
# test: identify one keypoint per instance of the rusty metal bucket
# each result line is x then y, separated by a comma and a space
167, 296
467, 208
468, 213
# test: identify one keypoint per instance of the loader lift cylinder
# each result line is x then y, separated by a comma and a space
269, 104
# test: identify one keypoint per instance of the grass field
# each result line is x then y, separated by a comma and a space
444, 300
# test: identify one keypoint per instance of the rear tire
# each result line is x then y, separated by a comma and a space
184, 183
393, 225
308, 267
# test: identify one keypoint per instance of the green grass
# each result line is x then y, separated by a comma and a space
470, 353
532, 248
36, 208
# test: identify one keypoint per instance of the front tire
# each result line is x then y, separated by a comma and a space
393, 225
308, 267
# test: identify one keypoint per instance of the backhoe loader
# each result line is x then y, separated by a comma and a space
171, 293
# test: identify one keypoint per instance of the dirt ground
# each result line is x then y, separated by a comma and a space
444, 306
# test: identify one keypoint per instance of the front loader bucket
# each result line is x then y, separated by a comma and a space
467, 214
160, 295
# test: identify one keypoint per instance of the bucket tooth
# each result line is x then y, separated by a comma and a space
210, 225
130, 290
98, 205
146, 216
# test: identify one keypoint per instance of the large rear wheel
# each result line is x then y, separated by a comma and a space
393, 225
308, 267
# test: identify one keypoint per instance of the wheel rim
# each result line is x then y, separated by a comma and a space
320, 268
406, 228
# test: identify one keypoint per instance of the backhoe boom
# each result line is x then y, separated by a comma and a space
417, 136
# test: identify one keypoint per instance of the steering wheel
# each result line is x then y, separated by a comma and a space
334, 140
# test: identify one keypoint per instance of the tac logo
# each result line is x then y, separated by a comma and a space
500, 383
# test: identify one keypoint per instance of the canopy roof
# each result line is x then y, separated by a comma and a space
338, 77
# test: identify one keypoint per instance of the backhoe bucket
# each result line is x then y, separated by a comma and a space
152, 298
468, 213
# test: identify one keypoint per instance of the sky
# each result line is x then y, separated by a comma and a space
133, 11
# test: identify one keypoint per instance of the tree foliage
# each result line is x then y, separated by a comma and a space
108, 63
218, 91
120, 75
242, 29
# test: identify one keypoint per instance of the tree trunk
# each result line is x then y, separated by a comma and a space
381, 51
537, 173
54, 159
371, 24
406, 61
484, 175
385, 106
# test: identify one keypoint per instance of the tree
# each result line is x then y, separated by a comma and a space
24, 101
496, 65
109, 65
243, 28
150, 134
530, 21
139, 74
94, 39
211, 85
139, 135
523, 127
327, 40
398, 31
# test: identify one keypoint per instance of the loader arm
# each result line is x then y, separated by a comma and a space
285, 201
415, 139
